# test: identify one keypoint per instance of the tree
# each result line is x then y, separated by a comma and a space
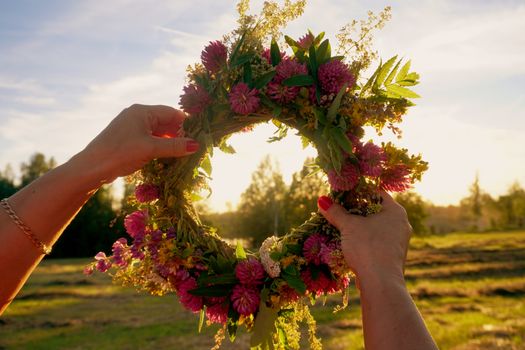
94, 228
512, 207
7, 182
473, 206
301, 199
261, 205
37, 166
416, 209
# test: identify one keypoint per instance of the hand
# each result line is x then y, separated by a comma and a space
373, 246
137, 135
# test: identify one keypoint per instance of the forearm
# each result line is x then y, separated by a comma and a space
391, 320
47, 206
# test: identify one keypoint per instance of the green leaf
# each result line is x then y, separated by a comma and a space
335, 156
282, 336
201, 318
318, 38
342, 140
264, 326
410, 80
334, 107
295, 282
224, 278
299, 80
324, 53
275, 53
394, 90
312, 54
206, 165
291, 42
294, 248
392, 73
240, 254
242, 59
224, 264
407, 83
381, 76
291, 270
264, 79
226, 148
276, 256
220, 290
321, 117
235, 52
403, 72
232, 329
371, 80
247, 74
304, 141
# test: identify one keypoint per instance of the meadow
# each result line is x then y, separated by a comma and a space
470, 289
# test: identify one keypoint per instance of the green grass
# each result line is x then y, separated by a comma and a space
470, 289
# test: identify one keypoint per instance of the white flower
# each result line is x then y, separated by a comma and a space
271, 267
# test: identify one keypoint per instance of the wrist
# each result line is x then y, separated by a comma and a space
377, 278
89, 170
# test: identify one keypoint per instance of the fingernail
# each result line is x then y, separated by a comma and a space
192, 146
324, 202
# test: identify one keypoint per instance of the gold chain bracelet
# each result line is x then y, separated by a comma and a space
27, 231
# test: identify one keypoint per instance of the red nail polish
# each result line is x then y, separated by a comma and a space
324, 202
192, 146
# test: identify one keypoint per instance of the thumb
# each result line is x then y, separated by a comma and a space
173, 147
334, 213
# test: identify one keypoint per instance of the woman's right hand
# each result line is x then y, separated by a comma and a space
373, 246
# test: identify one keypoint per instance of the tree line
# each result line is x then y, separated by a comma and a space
269, 206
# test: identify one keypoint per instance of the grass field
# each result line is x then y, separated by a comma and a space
470, 289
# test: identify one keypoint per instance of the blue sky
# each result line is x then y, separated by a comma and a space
68, 67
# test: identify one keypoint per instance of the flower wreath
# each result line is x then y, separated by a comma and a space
239, 83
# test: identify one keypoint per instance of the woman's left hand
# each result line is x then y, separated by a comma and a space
137, 135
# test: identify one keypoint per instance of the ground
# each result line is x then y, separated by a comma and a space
470, 289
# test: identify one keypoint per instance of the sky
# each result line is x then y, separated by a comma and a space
67, 68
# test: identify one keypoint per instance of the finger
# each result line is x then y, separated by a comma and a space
166, 114
388, 201
173, 147
166, 120
172, 130
334, 213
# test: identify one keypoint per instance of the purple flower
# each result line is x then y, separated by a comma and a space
313, 246
195, 99
189, 301
214, 56
243, 100
371, 159
120, 252
135, 224
245, 299
333, 75
346, 180
103, 262
147, 192
250, 271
